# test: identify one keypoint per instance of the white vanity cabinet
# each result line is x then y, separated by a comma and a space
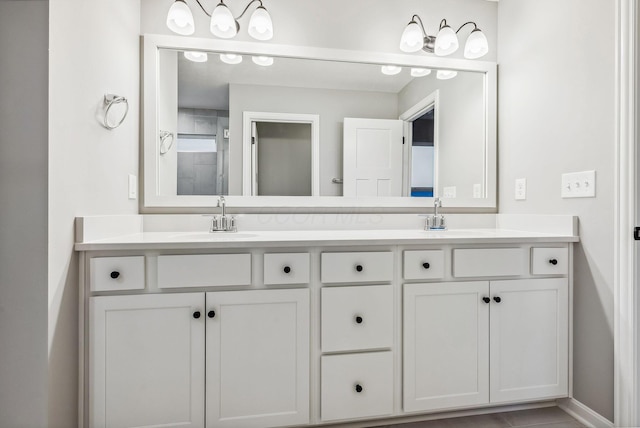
273, 335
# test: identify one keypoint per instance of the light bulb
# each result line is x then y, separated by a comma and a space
196, 56
223, 24
412, 38
446, 41
390, 70
446, 74
180, 19
264, 61
420, 72
476, 45
231, 58
260, 25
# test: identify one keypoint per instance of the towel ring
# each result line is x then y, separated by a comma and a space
109, 101
164, 136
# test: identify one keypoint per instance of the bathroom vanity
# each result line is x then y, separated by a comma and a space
291, 328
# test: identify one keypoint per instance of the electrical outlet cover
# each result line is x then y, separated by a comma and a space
521, 189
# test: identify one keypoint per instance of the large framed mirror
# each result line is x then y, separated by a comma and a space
275, 126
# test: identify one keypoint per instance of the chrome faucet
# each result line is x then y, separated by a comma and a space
435, 221
222, 222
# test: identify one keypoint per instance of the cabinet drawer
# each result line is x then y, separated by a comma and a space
286, 268
478, 262
117, 273
425, 264
356, 267
549, 261
204, 270
356, 318
356, 385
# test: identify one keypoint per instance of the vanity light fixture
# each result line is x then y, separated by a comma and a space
446, 74
230, 58
391, 70
196, 56
264, 61
222, 24
420, 72
415, 38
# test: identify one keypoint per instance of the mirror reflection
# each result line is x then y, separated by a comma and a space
242, 125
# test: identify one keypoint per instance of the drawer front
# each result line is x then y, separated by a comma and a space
356, 385
289, 268
356, 318
549, 261
478, 262
117, 273
204, 270
424, 264
356, 267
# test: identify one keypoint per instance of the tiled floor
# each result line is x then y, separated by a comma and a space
547, 417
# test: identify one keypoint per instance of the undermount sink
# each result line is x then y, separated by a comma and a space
212, 236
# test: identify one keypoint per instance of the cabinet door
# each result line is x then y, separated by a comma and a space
258, 358
446, 337
147, 361
529, 339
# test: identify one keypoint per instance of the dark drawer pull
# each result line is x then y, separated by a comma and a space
358, 388
196, 314
287, 269
115, 274
426, 265
211, 314
497, 299
553, 261
358, 319
486, 299
359, 268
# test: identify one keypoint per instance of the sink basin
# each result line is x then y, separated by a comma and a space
216, 236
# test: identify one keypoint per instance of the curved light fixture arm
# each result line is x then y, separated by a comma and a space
247, 8
413, 18
475, 27
203, 9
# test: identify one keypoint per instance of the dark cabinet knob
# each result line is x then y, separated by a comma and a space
358, 388
287, 269
359, 268
115, 274
425, 265
196, 314
497, 299
486, 299
358, 319
553, 261
211, 314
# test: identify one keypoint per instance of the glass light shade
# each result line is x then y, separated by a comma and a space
260, 25
231, 58
391, 70
223, 24
196, 56
420, 72
412, 38
180, 19
476, 45
446, 41
446, 74
264, 61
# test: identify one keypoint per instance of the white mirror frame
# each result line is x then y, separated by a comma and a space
153, 202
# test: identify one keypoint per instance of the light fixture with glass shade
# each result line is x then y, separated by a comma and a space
446, 74
420, 72
196, 56
390, 70
222, 24
264, 61
231, 58
415, 38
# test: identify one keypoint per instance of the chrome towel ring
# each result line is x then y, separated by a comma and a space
109, 101
164, 137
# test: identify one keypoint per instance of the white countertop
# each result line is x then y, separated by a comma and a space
307, 238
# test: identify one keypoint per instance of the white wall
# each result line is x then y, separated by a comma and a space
23, 213
556, 109
94, 49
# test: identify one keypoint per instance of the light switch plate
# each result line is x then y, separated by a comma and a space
133, 186
579, 184
477, 190
521, 189
449, 192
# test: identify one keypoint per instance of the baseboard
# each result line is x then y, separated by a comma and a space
584, 414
